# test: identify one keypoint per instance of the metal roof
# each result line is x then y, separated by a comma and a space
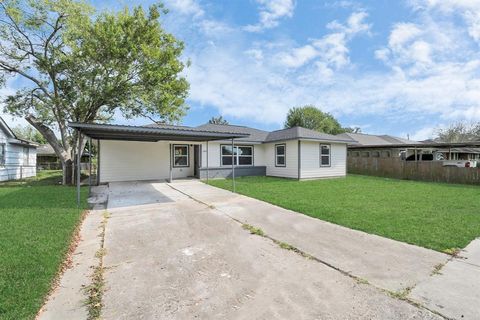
254, 135
420, 146
157, 133
376, 140
304, 133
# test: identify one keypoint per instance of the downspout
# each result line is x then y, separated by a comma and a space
98, 162
233, 167
207, 162
299, 159
171, 159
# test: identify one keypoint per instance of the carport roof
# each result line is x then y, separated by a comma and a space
142, 133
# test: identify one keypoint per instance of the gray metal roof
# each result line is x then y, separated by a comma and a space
363, 139
156, 133
254, 135
304, 133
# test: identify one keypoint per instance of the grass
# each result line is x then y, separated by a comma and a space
37, 221
432, 215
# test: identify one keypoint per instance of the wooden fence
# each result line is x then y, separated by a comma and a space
411, 170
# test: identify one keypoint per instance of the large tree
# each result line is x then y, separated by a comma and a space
459, 132
217, 120
79, 65
313, 118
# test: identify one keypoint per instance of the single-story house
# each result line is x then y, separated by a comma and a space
17, 156
386, 146
159, 151
47, 159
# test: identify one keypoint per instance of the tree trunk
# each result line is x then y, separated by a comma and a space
60, 150
67, 168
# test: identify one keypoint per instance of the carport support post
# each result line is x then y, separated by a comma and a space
89, 166
233, 166
78, 166
171, 160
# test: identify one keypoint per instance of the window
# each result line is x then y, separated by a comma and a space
386, 154
26, 156
356, 153
365, 154
280, 152
2, 154
376, 154
242, 155
324, 155
180, 155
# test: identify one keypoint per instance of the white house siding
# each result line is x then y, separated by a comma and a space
133, 160
310, 160
214, 153
16, 165
291, 161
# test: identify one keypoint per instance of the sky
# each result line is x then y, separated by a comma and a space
403, 67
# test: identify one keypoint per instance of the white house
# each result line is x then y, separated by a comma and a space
17, 156
157, 152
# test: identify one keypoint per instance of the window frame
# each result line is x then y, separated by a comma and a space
175, 156
3, 153
323, 155
236, 155
284, 145
26, 156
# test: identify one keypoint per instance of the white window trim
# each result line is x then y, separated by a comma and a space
187, 156
3, 153
237, 156
324, 155
284, 155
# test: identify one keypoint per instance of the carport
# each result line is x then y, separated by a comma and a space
93, 131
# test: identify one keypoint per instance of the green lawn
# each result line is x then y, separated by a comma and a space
432, 215
37, 219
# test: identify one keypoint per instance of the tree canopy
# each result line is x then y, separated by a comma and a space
29, 133
85, 66
313, 118
459, 132
217, 120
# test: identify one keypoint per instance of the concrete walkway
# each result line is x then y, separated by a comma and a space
385, 263
171, 257
67, 301
455, 290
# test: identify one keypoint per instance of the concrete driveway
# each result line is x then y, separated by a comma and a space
169, 256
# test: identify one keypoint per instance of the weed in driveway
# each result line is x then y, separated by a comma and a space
253, 230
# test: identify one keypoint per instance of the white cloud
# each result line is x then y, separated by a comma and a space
331, 50
186, 7
271, 11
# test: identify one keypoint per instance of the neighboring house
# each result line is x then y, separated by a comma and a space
167, 152
17, 156
47, 159
385, 146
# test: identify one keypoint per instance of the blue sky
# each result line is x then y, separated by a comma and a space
397, 67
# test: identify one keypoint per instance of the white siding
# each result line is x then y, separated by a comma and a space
291, 160
310, 161
214, 154
132, 160
16, 165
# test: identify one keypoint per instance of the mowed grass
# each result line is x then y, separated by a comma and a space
37, 220
432, 215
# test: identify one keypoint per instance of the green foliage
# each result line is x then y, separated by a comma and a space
29, 133
313, 118
37, 220
431, 215
217, 120
459, 132
85, 66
